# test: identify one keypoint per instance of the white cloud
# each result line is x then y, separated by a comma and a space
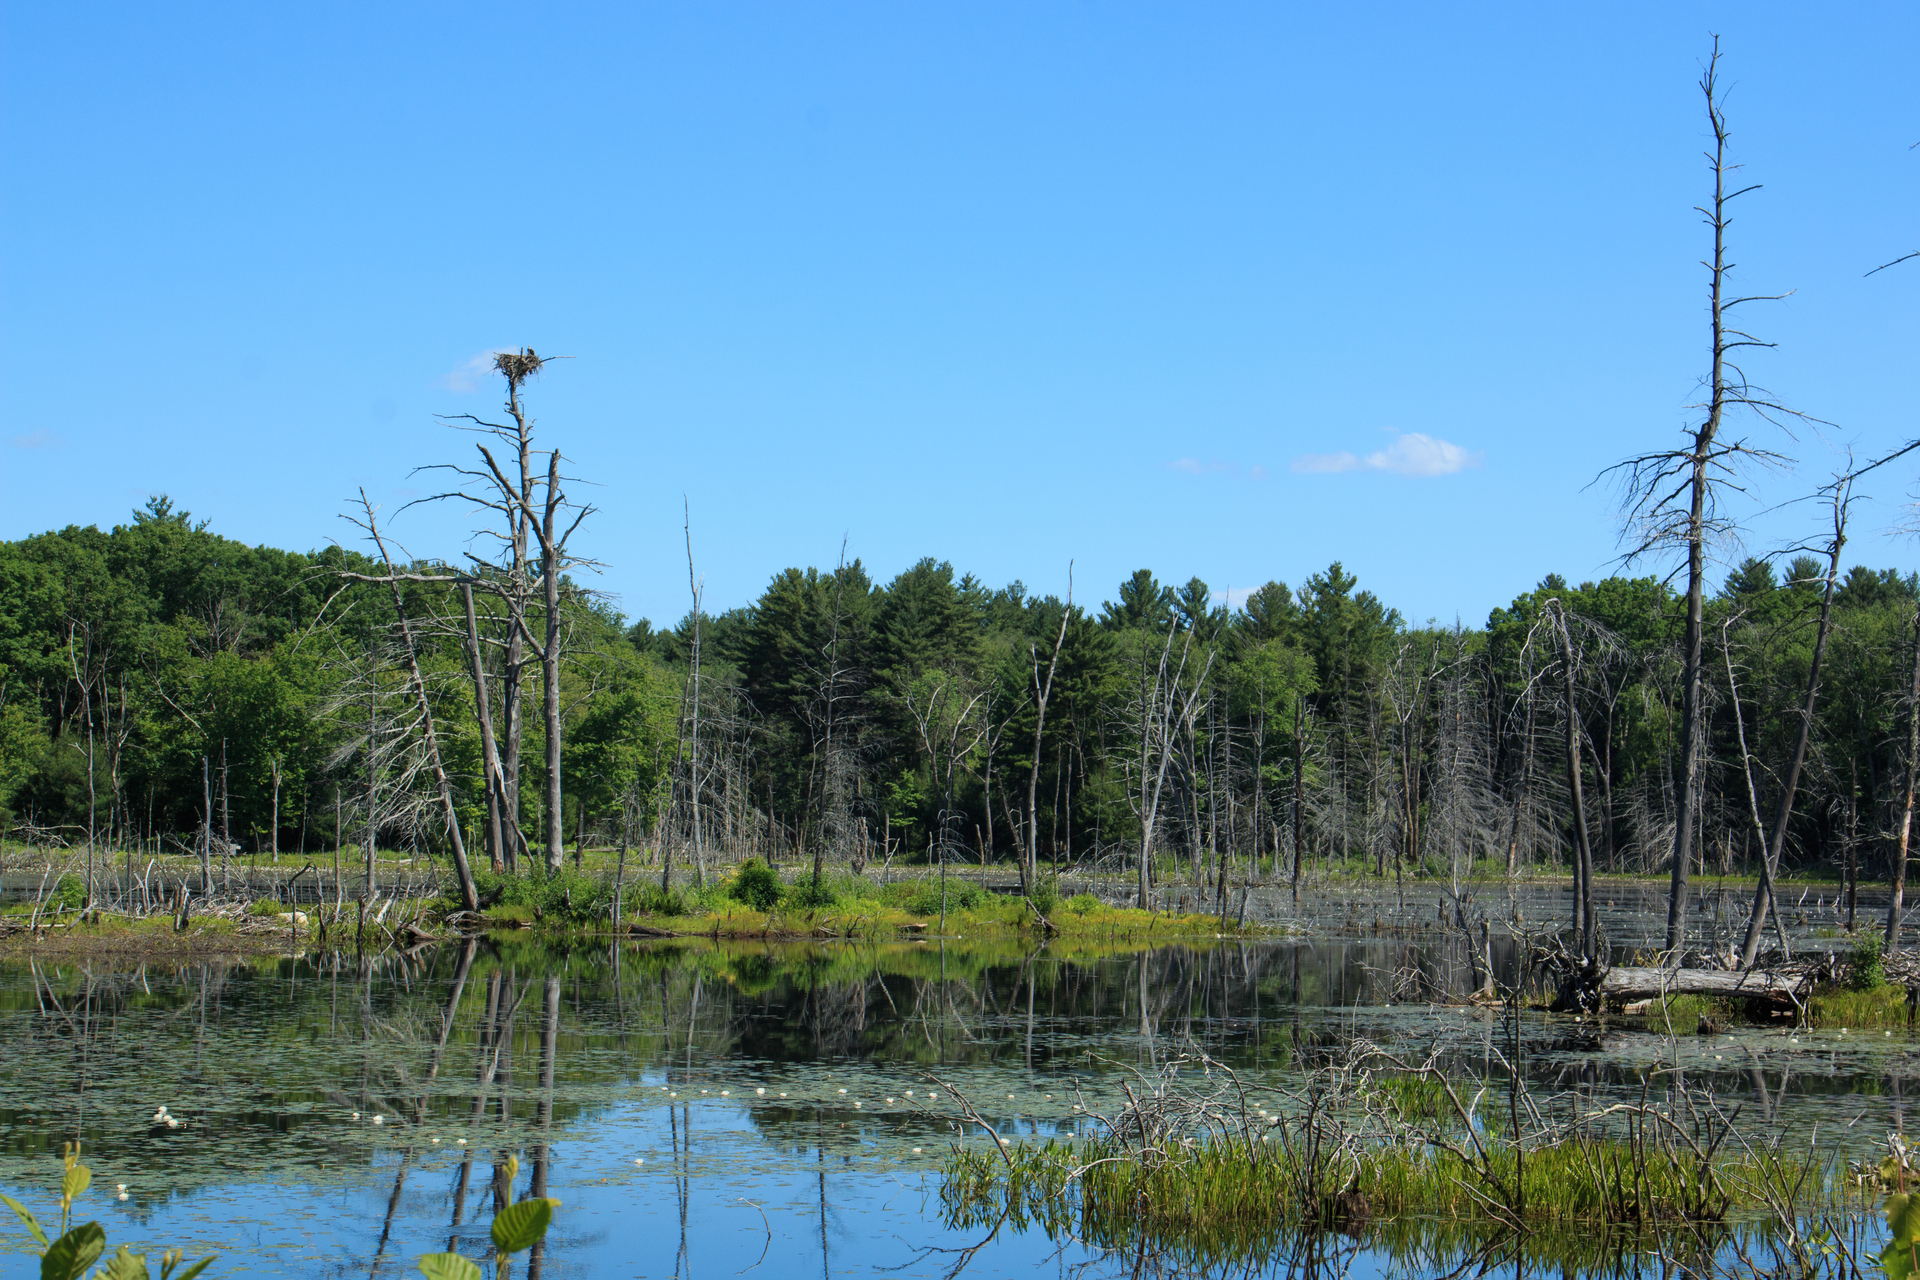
41, 439
1413, 453
469, 376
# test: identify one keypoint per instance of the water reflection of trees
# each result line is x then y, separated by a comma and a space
508, 1043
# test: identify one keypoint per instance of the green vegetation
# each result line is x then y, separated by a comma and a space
755, 884
932, 656
1881, 1007
1866, 963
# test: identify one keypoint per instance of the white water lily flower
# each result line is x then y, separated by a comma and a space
379, 1120
356, 1115
638, 1160
761, 1092
723, 1093
435, 1141
461, 1141
121, 1196
119, 1186
843, 1091
916, 1151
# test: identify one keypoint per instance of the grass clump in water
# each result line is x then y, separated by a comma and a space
1221, 1169
1883, 1006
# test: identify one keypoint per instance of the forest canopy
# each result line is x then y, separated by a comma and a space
158, 680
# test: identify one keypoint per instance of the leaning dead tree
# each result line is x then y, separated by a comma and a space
1674, 497
1841, 492
409, 655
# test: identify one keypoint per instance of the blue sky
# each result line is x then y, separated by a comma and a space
1227, 289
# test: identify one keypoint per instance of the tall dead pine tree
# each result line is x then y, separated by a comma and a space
1673, 496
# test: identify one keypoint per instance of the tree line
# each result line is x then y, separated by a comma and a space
161, 682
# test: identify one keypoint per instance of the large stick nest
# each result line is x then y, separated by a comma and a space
517, 366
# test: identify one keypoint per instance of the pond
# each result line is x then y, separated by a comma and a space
722, 1109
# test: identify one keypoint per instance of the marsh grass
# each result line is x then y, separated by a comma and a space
1198, 1170
1882, 1006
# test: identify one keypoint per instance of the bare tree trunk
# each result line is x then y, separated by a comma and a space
1897, 899
1042, 690
1299, 790
491, 776
1763, 895
550, 663
693, 765
206, 827
1583, 923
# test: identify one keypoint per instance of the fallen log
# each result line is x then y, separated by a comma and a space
1624, 984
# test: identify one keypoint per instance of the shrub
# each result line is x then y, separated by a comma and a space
69, 893
756, 885
267, 907
814, 894
962, 895
649, 899
1045, 896
1081, 903
565, 896
1866, 963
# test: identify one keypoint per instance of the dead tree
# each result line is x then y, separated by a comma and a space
1042, 692
1841, 491
1158, 716
1903, 826
450, 814
1584, 929
534, 510
1674, 496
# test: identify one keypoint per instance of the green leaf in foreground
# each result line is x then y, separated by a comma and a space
173, 1260
448, 1266
69, 1257
77, 1179
32, 1223
519, 1226
124, 1265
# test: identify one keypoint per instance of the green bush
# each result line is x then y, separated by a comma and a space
814, 894
1866, 963
559, 896
756, 885
1081, 903
1045, 896
649, 899
267, 907
962, 895
69, 894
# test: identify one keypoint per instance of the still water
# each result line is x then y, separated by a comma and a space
714, 1110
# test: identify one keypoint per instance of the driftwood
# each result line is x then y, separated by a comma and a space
1623, 983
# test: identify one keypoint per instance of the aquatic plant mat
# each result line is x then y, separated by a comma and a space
1202, 1169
